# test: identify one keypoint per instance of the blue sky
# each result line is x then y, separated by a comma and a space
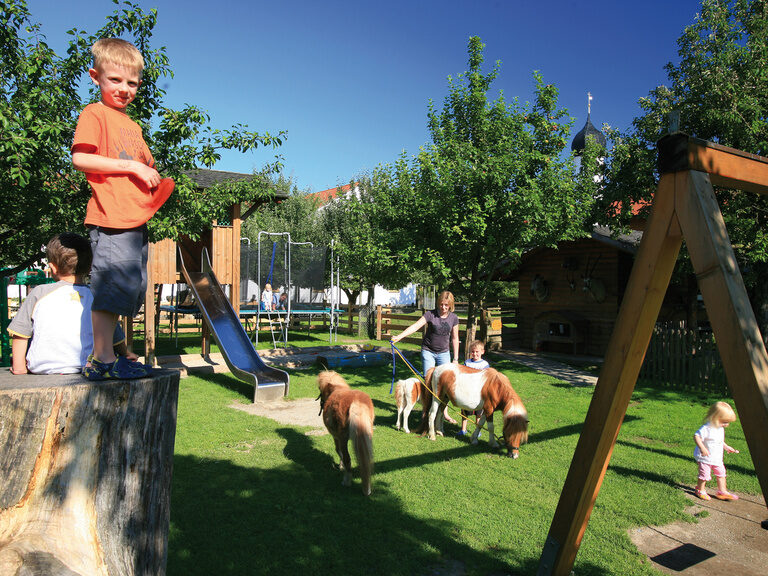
350, 80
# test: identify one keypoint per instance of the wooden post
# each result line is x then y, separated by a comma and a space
378, 322
236, 226
86, 474
624, 357
684, 205
149, 316
733, 321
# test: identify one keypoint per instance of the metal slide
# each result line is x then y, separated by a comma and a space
237, 349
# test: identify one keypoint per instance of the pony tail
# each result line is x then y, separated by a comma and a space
361, 435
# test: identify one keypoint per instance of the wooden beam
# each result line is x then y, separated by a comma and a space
149, 311
729, 310
235, 286
726, 166
645, 292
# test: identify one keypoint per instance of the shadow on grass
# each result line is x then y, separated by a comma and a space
298, 519
226, 380
228, 519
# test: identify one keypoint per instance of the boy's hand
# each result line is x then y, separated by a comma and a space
148, 175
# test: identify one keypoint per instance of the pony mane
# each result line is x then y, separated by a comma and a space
328, 381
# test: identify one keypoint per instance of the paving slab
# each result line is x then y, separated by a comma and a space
729, 540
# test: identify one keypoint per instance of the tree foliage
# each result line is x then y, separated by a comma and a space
493, 181
363, 240
296, 214
720, 88
41, 96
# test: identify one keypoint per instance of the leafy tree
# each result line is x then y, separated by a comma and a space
295, 214
720, 88
493, 182
40, 100
363, 240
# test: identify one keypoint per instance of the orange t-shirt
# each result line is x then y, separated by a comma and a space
118, 200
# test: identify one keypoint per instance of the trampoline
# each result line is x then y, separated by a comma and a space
297, 271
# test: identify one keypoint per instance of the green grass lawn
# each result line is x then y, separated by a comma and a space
252, 496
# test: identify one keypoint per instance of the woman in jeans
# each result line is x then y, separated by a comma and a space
440, 338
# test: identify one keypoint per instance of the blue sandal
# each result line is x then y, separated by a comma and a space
120, 369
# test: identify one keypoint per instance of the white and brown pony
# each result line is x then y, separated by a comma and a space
348, 415
487, 390
407, 393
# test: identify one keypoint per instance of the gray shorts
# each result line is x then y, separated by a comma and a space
119, 271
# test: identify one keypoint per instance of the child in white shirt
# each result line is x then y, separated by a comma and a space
475, 360
710, 444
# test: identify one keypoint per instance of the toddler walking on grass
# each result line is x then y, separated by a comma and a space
710, 444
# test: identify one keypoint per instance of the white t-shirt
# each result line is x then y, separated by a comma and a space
479, 365
713, 438
57, 320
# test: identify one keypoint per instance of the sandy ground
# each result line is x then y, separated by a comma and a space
298, 412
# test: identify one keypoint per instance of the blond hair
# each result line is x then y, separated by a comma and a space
476, 344
117, 51
720, 413
446, 296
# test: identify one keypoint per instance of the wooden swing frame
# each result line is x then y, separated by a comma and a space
684, 206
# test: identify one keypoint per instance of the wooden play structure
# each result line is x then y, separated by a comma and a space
684, 207
223, 244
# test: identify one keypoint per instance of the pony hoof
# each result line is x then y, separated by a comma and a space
432, 437
513, 455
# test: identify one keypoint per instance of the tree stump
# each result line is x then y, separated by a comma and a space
85, 471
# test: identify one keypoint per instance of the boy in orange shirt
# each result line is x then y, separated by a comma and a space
127, 190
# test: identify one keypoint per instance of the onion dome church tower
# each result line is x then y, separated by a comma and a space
589, 130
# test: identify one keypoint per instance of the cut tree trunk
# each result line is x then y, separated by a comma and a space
86, 474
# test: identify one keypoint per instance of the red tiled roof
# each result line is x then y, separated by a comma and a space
326, 196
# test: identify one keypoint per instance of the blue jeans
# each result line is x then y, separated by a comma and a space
430, 359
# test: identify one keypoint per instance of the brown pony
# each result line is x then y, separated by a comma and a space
487, 390
348, 415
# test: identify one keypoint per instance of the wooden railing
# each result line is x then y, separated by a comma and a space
684, 359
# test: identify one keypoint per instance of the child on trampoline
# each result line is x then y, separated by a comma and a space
52, 331
127, 190
710, 443
267, 300
475, 360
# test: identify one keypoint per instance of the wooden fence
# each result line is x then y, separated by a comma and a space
490, 324
684, 359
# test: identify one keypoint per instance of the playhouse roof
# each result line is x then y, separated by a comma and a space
205, 178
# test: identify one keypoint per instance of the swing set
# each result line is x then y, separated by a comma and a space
684, 206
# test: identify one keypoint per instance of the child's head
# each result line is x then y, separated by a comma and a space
719, 414
117, 67
476, 350
70, 255
119, 52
